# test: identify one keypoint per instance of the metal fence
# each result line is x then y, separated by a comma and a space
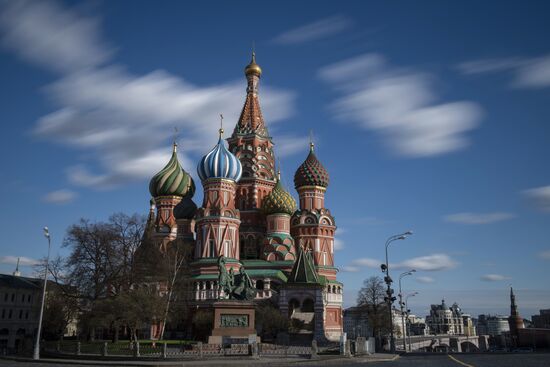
162, 350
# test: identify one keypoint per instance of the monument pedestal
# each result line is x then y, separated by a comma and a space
234, 323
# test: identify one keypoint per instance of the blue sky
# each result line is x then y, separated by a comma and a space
429, 116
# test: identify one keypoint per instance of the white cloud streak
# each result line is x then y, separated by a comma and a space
12, 260
401, 106
313, 31
434, 262
478, 218
350, 269
526, 72
539, 197
494, 277
338, 244
545, 255
424, 279
119, 120
47, 35
62, 196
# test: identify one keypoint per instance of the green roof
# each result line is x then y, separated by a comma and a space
304, 270
267, 273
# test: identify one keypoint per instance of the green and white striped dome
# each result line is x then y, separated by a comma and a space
172, 180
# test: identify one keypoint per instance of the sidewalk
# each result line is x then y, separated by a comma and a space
227, 361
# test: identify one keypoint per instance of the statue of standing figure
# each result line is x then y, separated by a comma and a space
238, 286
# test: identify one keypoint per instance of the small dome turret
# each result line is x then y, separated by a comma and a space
311, 172
185, 209
172, 180
220, 163
279, 201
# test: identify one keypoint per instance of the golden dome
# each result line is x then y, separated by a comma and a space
253, 68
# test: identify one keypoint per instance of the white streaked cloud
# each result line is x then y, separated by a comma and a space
434, 262
62, 196
120, 121
545, 255
424, 279
526, 72
478, 218
313, 31
48, 35
338, 244
494, 277
350, 269
12, 260
539, 197
401, 106
368, 262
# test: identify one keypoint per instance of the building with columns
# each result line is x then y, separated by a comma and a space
249, 217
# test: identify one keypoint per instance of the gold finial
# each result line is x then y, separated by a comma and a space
279, 175
311, 143
221, 125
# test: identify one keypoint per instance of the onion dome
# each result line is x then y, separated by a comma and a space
172, 180
311, 172
220, 163
185, 209
279, 201
253, 68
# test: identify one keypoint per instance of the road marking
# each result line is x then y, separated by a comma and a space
460, 362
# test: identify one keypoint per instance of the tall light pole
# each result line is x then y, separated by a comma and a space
401, 304
36, 354
389, 292
408, 311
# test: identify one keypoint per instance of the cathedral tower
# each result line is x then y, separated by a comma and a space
171, 187
252, 145
312, 226
218, 220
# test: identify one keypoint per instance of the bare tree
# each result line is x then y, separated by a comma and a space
371, 298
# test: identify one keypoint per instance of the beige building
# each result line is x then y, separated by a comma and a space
449, 320
19, 310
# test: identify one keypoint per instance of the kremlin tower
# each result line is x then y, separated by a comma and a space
514, 321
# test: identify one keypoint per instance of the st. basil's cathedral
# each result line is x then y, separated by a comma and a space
251, 220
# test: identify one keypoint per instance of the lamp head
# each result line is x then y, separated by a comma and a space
401, 237
408, 233
46, 232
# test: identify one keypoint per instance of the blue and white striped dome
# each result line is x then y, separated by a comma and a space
220, 163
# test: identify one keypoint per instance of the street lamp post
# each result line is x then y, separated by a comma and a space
408, 311
389, 292
401, 304
36, 354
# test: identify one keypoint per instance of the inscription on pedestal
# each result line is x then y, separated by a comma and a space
233, 320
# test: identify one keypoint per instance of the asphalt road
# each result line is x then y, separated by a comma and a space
433, 360
467, 360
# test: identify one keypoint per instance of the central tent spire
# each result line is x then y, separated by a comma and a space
251, 119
